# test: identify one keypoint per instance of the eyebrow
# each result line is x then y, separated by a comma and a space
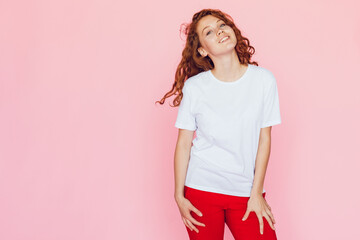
209, 26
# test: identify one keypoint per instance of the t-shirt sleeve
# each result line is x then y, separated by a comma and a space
185, 118
271, 109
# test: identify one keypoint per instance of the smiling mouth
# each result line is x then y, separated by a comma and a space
224, 39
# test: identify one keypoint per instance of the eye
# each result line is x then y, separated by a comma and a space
210, 30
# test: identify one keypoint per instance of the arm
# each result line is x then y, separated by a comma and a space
182, 156
262, 159
181, 161
256, 202
271, 116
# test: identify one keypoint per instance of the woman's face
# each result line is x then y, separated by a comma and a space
211, 30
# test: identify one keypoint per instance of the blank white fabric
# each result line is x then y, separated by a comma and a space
227, 117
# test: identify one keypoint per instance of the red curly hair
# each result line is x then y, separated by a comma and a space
193, 63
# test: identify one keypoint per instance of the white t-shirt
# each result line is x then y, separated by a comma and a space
227, 117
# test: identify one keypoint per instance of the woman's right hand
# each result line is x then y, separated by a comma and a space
185, 207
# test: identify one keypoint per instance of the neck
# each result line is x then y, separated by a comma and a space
228, 67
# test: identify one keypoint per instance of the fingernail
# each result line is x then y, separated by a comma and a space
201, 215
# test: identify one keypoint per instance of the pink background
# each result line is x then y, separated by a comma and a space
86, 154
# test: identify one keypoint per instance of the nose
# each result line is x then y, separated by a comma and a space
220, 31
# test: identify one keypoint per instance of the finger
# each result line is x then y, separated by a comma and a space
261, 222
192, 226
194, 221
268, 205
270, 222
186, 224
197, 211
189, 224
269, 212
271, 216
246, 214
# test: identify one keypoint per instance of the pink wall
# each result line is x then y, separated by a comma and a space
85, 153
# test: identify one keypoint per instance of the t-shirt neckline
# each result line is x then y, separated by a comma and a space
232, 82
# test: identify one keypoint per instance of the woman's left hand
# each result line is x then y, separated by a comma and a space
258, 204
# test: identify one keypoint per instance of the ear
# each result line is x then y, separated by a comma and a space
202, 52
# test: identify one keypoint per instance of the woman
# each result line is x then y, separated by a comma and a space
231, 103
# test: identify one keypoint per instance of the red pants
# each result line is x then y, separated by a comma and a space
218, 209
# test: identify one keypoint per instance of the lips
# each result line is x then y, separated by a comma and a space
223, 38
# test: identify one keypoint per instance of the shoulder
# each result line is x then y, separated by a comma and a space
265, 77
195, 80
264, 73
